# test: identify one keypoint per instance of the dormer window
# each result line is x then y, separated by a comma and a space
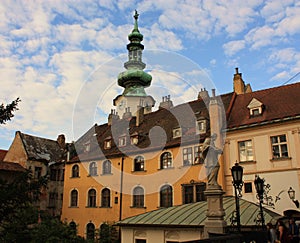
177, 132
107, 143
87, 146
255, 107
134, 139
201, 126
122, 141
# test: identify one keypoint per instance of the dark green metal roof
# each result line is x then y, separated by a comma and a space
194, 214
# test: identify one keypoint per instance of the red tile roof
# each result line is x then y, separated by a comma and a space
279, 103
2, 154
184, 115
10, 166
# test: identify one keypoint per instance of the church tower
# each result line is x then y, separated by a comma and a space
134, 80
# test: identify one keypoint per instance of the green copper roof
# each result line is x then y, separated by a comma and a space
134, 79
135, 34
194, 214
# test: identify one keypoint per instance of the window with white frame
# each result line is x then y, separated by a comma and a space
93, 169
177, 132
106, 167
122, 141
187, 154
166, 160
201, 126
107, 144
245, 150
139, 163
138, 197
279, 146
198, 155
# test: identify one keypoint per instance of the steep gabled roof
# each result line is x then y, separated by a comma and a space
42, 149
183, 115
279, 103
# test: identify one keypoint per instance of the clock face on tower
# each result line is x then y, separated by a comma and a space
122, 104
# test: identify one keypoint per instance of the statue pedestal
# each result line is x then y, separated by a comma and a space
215, 223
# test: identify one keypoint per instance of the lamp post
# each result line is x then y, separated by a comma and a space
292, 195
259, 186
237, 176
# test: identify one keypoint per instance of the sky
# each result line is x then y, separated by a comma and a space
62, 58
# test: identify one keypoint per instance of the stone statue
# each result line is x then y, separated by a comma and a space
210, 154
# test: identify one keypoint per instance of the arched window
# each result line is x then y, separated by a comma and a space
92, 198
73, 226
90, 231
75, 171
93, 169
139, 163
74, 198
105, 198
166, 160
166, 196
138, 197
106, 167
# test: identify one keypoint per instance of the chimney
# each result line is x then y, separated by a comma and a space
127, 114
203, 94
139, 115
61, 140
112, 116
238, 82
166, 103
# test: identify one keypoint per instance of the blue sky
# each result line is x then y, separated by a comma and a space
62, 58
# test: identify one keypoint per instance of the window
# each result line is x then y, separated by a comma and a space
92, 198
255, 107
140, 241
201, 126
55, 174
122, 141
93, 169
198, 155
75, 171
138, 197
87, 146
166, 160
107, 144
73, 226
139, 163
279, 147
245, 150
53, 197
177, 132
134, 139
106, 167
248, 187
187, 156
166, 196
105, 198
74, 198
193, 192
37, 172
90, 231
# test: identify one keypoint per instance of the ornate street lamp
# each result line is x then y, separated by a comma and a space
260, 189
237, 176
292, 195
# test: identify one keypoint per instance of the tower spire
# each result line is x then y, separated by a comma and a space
134, 79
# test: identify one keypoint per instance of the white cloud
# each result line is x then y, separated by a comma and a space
232, 47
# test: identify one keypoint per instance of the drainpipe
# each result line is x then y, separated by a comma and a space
121, 188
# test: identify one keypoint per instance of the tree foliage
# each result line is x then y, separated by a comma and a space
19, 217
7, 111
